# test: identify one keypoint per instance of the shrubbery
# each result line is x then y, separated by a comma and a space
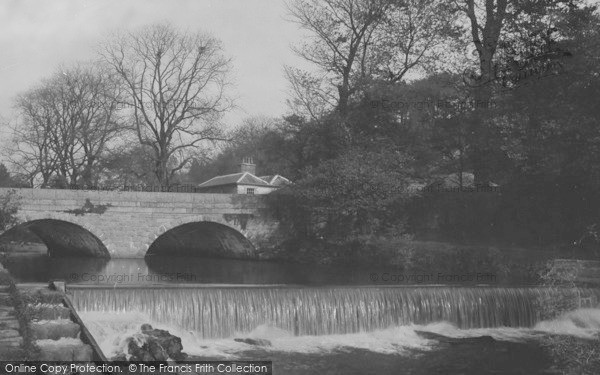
9, 205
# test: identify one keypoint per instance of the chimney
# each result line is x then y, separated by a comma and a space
247, 165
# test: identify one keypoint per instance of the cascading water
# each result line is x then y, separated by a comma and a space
219, 312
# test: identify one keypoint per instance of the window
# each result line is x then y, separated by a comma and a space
250, 191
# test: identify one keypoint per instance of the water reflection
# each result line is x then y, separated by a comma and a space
42, 268
158, 269
163, 269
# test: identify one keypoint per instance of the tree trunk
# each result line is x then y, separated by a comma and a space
87, 173
343, 100
482, 152
162, 171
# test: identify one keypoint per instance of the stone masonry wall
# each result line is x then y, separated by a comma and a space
128, 222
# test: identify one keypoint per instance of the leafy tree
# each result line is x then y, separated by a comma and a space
129, 166
9, 206
357, 193
5, 177
509, 32
552, 136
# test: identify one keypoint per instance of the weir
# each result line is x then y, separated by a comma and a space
222, 311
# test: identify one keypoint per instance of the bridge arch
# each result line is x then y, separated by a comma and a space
202, 237
65, 238
128, 223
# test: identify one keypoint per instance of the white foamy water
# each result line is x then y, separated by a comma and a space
583, 323
111, 331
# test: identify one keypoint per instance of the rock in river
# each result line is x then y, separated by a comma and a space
155, 345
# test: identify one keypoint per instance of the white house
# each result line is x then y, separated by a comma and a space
243, 182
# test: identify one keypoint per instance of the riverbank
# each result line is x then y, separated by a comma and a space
515, 263
12, 324
35, 324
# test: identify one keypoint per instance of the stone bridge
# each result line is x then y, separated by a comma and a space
123, 224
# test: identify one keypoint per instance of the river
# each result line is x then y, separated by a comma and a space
319, 319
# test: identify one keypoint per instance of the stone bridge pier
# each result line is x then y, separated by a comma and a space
122, 224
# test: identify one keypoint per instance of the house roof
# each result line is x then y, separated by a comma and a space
242, 178
276, 180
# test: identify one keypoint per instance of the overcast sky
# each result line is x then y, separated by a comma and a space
37, 35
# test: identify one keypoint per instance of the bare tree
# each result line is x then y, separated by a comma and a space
341, 34
86, 103
99, 119
414, 34
311, 95
175, 83
31, 154
355, 41
66, 125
